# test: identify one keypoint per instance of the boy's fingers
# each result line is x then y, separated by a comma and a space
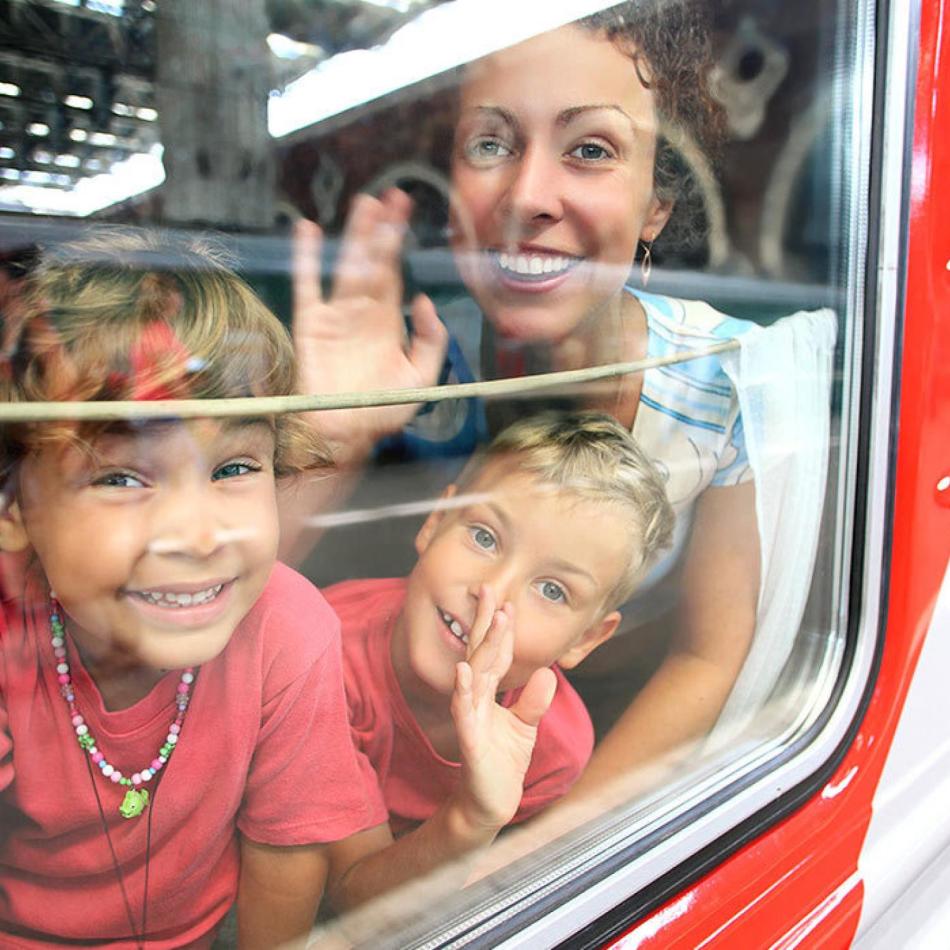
536, 697
306, 246
484, 611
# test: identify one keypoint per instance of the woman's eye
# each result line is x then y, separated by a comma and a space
486, 149
233, 470
483, 538
591, 152
553, 592
119, 480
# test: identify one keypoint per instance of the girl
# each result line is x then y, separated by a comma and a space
171, 734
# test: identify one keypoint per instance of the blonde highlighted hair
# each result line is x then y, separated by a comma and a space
134, 314
589, 455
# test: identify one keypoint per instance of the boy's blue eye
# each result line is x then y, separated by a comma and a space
483, 538
553, 592
119, 480
232, 470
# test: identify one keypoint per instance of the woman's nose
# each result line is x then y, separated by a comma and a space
535, 190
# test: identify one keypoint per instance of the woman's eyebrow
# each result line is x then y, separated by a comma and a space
567, 116
499, 113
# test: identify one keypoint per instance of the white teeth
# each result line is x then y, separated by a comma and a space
173, 600
534, 265
454, 626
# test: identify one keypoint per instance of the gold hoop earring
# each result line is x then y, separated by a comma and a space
646, 262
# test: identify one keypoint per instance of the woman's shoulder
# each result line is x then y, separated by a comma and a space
688, 322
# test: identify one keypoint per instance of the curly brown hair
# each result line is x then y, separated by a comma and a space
132, 314
669, 43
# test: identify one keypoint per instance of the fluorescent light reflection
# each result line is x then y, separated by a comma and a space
134, 176
439, 39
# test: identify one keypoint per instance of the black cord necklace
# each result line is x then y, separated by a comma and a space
137, 935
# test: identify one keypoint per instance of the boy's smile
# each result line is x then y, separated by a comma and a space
555, 557
159, 540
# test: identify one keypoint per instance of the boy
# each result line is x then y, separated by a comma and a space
557, 520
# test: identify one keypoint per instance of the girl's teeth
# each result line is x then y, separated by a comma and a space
171, 599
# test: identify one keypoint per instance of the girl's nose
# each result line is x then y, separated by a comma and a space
535, 194
190, 524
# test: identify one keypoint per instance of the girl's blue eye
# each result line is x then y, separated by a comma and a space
119, 480
591, 152
483, 538
553, 592
232, 470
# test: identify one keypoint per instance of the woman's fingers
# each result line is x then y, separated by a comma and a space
306, 247
371, 249
429, 341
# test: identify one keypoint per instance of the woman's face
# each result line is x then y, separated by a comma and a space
553, 180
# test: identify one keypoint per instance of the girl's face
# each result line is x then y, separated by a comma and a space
158, 542
553, 182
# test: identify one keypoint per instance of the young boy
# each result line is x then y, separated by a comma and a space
557, 521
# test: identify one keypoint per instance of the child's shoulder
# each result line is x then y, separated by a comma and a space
363, 597
293, 613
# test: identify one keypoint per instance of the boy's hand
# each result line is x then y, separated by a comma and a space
495, 743
356, 340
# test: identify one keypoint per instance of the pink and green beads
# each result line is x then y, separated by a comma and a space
85, 738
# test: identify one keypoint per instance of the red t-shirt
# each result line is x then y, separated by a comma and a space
265, 748
413, 778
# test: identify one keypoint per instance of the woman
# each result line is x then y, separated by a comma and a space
560, 174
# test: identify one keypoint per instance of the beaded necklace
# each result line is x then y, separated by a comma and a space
136, 797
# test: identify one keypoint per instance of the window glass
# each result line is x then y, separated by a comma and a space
538, 189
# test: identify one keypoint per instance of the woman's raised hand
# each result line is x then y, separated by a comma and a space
355, 340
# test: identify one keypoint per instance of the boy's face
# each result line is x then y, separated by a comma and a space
555, 557
158, 542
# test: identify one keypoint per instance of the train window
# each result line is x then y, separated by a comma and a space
623, 248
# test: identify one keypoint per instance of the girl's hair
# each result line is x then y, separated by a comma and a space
668, 41
591, 456
126, 314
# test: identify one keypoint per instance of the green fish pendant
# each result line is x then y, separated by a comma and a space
134, 803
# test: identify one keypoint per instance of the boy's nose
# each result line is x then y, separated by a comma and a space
500, 576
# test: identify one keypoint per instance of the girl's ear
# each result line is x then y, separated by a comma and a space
13, 537
429, 526
592, 638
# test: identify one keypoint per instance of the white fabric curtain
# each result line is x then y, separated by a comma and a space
782, 374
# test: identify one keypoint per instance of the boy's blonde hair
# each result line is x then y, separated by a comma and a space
591, 456
143, 315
